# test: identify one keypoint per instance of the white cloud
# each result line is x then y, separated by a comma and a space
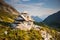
36, 10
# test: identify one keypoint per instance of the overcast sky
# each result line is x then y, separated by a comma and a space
41, 8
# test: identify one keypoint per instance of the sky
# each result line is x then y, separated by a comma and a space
41, 8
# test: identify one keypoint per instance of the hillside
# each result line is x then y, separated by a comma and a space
8, 33
8, 8
40, 31
53, 20
7, 13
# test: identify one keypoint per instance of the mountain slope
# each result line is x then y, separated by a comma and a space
7, 8
53, 20
37, 19
7, 13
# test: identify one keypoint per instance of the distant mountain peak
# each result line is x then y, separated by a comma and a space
37, 19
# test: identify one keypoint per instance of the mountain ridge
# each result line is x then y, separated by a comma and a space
53, 20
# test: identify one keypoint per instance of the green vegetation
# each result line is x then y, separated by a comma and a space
39, 23
17, 34
55, 32
8, 33
5, 24
51, 27
6, 18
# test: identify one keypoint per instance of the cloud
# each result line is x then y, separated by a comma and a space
25, 0
12, 2
36, 9
15, 1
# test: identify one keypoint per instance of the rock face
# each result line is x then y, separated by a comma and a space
44, 32
23, 22
53, 20
45, 35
